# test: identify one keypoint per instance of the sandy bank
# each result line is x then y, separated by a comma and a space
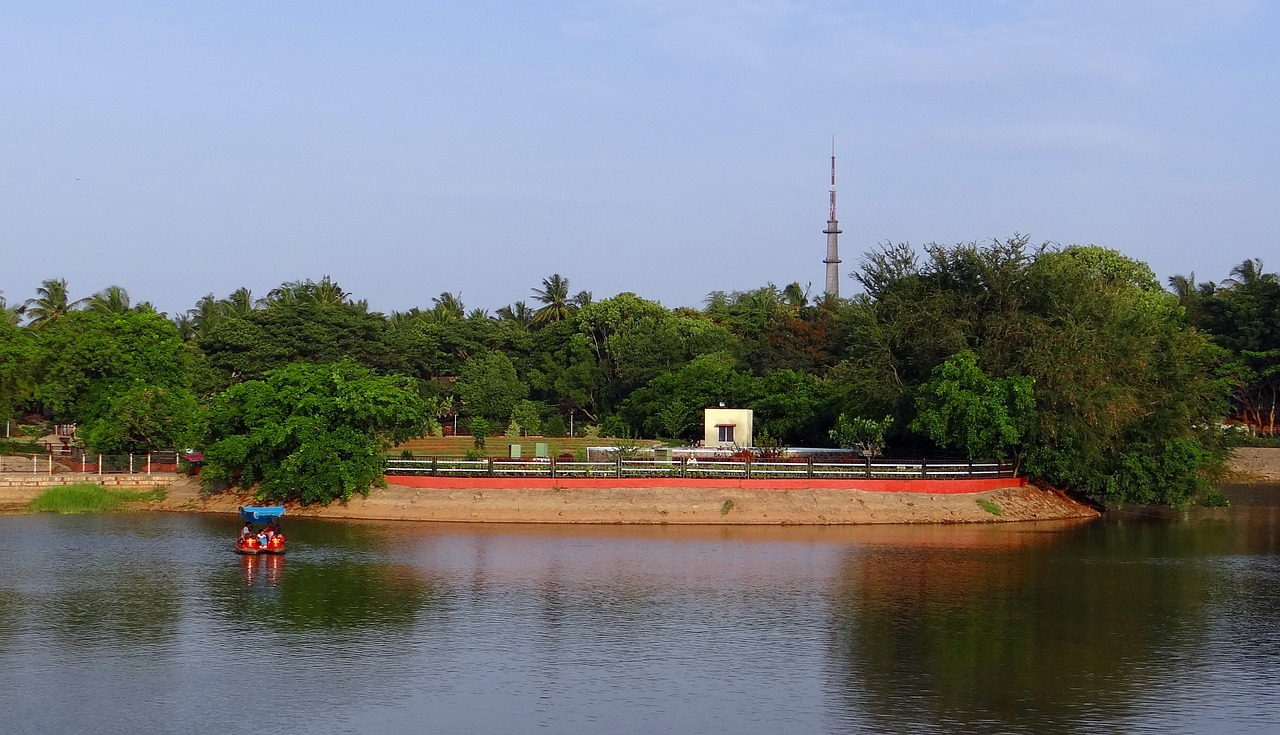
664, 505
1256, 464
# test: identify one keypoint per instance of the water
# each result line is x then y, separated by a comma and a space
149, 623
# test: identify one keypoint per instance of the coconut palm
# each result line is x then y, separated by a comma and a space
50, 303
326, 292
519, 312
186, 327
405, 319
10, 315
795, 296
110, 300
583, 298
239, 304
554, 295
448, 306
208, 312
1249, 274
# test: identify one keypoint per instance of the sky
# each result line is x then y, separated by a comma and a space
666, 147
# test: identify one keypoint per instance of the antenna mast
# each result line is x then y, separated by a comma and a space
833, 234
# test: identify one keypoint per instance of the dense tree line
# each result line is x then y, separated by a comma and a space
1074, 362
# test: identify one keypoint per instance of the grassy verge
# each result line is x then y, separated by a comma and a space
87, 497
990, 506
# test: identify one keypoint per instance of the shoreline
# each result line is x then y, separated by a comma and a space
671, 502
721, 504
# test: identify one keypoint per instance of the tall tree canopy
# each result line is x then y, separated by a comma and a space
314, 433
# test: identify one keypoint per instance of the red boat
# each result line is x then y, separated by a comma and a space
250, 545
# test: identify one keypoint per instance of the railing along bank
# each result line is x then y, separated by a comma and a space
706, 469
79, 462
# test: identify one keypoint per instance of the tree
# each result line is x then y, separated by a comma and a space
1114, 364
488, 387
10, 315
554, 296
864, 435
671, 405
90, 359
18, 359
964, 408
110, 300
50, 303
314, 433
293, 329
146, 418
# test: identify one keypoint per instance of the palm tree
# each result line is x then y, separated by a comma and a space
554, 295
795, 296
449, 306
405, 319
478, 313
1249, 274
328, 293
324, 293
239, 304
10, 315
583, 298
207, 313
50, 303
110, 300
519, 312
186, 327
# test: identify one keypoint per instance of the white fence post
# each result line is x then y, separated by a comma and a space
148, 464
99, 463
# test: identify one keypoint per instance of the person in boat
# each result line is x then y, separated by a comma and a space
247, 531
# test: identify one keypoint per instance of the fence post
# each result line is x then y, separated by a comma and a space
435, 470
35, 464
867, 466
748, 464
553, 467
148, 464
491, 467
99, 463
619, 464
809, 466
924, 468
684, 466
971, 468
131, 463
50, 463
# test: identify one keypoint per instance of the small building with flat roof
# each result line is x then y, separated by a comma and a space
727, 427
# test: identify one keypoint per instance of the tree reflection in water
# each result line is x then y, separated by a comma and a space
987, 632
336, 577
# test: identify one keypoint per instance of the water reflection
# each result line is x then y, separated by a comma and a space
1135, 622
979, 638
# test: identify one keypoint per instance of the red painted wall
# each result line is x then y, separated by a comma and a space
931, 487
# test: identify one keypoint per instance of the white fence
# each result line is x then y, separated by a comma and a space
552, 468
75, 461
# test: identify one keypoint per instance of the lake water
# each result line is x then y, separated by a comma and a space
1134, 623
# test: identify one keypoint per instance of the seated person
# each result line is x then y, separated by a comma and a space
247, 531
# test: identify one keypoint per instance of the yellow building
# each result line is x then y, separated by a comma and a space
727, 427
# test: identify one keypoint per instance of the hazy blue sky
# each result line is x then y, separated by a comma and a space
667, 147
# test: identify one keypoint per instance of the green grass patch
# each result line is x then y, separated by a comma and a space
1214, 499
88, 497
728, 506
990, 506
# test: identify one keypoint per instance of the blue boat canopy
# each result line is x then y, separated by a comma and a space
261, 513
